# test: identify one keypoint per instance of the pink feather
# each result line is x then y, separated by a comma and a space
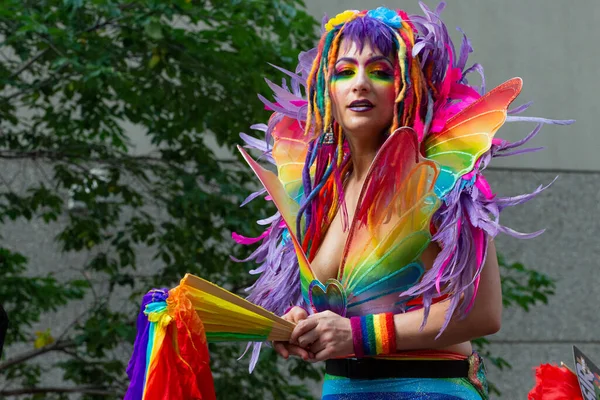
248, 240
482, 184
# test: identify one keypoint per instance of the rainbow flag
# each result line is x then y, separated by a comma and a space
170, 357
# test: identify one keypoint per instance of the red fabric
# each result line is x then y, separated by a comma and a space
194, 351
418, 301
555, 383
183, 376
165, 380
192, 345
183, 368
391, 333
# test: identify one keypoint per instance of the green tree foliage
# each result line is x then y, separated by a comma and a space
76, 79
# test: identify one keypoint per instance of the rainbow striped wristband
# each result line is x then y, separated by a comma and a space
373, 334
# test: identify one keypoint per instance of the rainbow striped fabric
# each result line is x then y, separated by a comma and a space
160, 370
170, 357
373, 334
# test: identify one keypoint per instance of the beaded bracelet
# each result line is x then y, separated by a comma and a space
373, 334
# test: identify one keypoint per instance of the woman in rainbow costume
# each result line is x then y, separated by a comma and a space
386, 206
381, 252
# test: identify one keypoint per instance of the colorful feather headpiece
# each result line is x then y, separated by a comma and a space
391, 32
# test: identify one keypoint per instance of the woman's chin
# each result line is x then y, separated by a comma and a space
366, 127
373, 117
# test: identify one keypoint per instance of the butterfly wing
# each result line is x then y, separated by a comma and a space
390, 229
289, 152
468, 135
288, 209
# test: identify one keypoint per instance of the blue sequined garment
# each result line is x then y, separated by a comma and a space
473, 388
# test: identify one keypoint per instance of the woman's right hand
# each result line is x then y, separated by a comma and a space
285, 349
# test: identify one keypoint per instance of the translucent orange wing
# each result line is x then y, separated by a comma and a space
289, 211
390, 229
468, 135
289, 152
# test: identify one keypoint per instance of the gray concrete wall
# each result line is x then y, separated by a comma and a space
568, 251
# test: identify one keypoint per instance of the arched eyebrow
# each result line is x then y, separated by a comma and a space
369, 61
379, 58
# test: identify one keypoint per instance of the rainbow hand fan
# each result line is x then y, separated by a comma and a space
170, 358
230, 318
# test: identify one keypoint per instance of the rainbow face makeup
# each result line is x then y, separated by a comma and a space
378, 69
363, 87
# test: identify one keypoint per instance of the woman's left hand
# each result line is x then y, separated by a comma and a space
326, 334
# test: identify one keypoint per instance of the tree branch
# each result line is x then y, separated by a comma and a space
56, 346
40, 53
93, 390
76, 356
52, 155
28, 63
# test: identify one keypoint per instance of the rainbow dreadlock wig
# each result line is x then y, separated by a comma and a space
392, 33
459, 211
330, 155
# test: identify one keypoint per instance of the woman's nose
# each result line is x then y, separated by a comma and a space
362, 84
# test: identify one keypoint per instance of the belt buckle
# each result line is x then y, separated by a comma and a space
483, 366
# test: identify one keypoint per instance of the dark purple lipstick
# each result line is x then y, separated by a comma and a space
361, 105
